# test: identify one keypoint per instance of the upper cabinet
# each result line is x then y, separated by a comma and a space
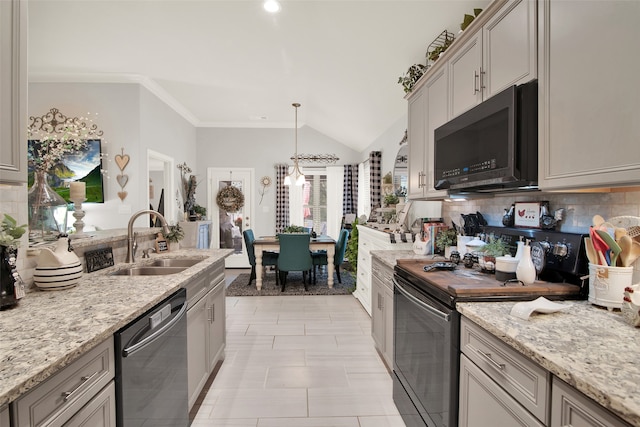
589, 94
13, 91
500, 53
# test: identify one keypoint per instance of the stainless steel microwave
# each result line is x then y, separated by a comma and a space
492, 147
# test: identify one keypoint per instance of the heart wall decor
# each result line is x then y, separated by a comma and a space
122, 160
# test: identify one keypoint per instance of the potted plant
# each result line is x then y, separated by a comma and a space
495, 248
173, 237
412, 75
390, 200
446, 240
201, 212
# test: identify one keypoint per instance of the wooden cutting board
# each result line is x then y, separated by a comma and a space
467, 282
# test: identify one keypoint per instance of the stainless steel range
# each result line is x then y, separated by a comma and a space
427, 325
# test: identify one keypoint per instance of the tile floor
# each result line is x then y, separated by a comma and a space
298, 361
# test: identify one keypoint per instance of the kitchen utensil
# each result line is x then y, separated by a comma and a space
626, 221
634, 231
630, 251
597, 221
600, 246
615, 248
619, 232
590, 250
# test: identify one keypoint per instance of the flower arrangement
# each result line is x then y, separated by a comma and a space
175, 234
55, 135
445, 238
188, 188
412, 75
10, 231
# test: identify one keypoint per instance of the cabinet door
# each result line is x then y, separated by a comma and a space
589, 96
388, 325
465, 76
216, 319
569, 407
197, 331
99, 412
437, 115
377, 315
509, 47
13, 91
4, 416
483, 403
417, 145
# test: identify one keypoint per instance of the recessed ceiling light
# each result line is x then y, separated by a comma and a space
271, 6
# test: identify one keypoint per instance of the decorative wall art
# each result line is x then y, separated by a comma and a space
122, 160
265, 182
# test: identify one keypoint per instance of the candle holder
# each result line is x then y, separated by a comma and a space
78, 214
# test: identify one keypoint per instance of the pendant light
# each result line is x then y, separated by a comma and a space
296, 175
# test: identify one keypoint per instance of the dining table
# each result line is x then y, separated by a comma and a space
270, 243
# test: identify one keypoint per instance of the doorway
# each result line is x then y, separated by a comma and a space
230, 223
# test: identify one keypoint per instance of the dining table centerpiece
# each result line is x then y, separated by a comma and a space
52, 136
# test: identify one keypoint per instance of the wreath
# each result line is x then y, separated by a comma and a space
230, 199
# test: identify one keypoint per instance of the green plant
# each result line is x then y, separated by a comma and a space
412, 75
175, 234
199, 210
446, 238
351, 253
468, 19
496, 247
10, 231
391, 199
294, 229
387, 179
438, 50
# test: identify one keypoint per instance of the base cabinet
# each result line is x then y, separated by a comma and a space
205, 330
369, 240
4, 416
382, 310
569, 407
81, 394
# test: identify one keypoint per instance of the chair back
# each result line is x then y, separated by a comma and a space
341, 247
249, 238
294, 252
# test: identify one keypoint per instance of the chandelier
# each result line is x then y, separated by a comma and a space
295, 175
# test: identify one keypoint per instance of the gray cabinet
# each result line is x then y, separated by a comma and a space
427, 111
13, 91
205, 327
499, 54
569, 407
4, 416
589, 96
382, 310
82, 393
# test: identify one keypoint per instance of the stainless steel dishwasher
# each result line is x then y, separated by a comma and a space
151, 366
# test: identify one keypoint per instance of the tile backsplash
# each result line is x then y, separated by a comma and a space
580, 207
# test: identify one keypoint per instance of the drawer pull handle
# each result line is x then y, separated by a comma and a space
67, 394
487, 356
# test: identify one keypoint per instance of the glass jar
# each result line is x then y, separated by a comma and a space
47, 210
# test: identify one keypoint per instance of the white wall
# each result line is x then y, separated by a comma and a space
261, 149
132, 119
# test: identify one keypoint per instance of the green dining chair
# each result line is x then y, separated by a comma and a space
320, 257
268, 258
294, 256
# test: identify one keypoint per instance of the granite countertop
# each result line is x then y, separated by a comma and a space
592, 349
47, 330
389, 257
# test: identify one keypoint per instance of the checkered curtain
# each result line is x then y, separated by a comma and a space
282, 198
375, 175
350, 190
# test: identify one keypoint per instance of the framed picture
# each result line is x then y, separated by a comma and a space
84, 166
527, 214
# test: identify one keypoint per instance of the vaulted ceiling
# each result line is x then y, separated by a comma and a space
231, 64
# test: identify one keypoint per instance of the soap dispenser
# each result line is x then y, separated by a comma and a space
526, 271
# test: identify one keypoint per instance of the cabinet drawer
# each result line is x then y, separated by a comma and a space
382, 272
527, 382
99, 412
569, 407
58, 398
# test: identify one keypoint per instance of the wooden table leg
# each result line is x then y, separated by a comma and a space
331, 252
259, 270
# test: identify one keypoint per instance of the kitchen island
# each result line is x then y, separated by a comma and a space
590, 348
48, 330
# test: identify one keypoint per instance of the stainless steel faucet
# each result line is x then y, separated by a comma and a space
130, 236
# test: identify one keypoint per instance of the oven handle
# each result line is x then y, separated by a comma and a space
416, 301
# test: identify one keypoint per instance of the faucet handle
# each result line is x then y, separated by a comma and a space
145, 252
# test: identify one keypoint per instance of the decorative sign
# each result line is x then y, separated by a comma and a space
98, 259
161, 244
527, 215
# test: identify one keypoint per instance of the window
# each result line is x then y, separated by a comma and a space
314, 203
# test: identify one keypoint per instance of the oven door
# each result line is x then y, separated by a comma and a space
426, 357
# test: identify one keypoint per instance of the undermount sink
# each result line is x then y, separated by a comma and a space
176, 262
148, 271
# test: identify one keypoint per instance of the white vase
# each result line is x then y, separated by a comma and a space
526, 271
